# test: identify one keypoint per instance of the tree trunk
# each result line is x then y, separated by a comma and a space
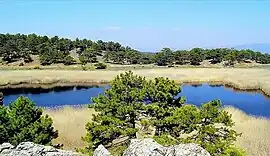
1, 99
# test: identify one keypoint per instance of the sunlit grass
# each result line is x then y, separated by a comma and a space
245, 78
70, 122
255, 132
71, 125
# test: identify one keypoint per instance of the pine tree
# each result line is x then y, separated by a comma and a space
119, 109
207, 126
132, 99
22, 121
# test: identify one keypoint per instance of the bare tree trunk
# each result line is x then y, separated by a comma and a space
1, 99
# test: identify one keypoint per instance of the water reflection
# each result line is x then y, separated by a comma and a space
254, 103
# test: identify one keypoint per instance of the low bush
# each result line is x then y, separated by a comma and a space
21, 64
100, 65
68, 60
27, 59
37, 67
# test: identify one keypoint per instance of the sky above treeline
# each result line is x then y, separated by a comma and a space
146, 25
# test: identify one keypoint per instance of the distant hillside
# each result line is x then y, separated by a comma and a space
261, 47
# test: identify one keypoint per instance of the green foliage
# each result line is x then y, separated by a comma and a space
181, 57
88, 56
234, 151
118, 109
207, 126
132, 99
68, 60
84, 67
118, 150
127, 56
52, 55
121, 105
36, 67
100, 65
55, 49
165, 140
145, 124
196, 56
164, 57
22, 121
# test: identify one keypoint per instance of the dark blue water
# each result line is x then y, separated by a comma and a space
55, 97
253, 103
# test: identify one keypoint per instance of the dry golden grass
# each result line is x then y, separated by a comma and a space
255, 131
70, 122
71, 125
241, 78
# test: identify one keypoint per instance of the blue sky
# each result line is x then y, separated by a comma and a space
145, 25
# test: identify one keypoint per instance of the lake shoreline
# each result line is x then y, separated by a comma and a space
255, 80
51, 85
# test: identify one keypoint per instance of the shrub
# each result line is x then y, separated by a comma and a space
36, 67
21, 64
165, 140
21, 121
84, 67
27, 59
100, 65
68, 60
208, 126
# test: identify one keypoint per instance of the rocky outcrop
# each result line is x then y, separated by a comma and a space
31, 149
137, 147
186, 150
101, 151
149, 147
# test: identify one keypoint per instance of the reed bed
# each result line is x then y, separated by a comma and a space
239, 78
255, 132
70, 122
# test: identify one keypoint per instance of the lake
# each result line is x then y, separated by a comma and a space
253, 103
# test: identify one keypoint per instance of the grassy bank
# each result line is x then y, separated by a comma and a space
71, 125
255, 132
248, 78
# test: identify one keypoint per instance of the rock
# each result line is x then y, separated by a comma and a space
32, 149
144, 147
149, 147
6, 146
101, 151
186, 150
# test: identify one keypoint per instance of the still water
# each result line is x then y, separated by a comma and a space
253, 103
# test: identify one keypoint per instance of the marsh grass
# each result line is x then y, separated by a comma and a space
244, 78
255, 131
71, 125
70, 122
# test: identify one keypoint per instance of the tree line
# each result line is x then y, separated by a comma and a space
52, 49
57, 50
